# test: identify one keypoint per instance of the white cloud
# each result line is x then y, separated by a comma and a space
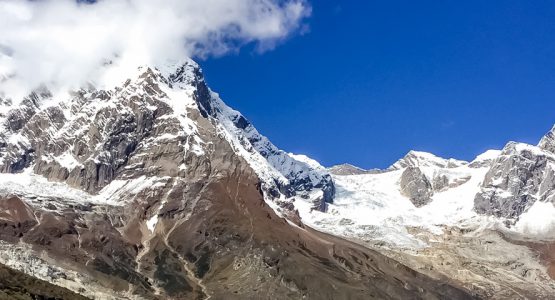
62, 42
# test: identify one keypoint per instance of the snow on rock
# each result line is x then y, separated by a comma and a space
495, 190
425, 159
348, 169
488, 155
275, 162
485, 159
31, 186
521, 175
547, 143
151, 223
283, 174
68, 161
24, 258
119, 191
102, 138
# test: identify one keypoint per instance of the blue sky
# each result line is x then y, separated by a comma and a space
371, 80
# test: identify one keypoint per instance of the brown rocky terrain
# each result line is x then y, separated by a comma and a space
488, 263
15, 285
545, 251
229, 244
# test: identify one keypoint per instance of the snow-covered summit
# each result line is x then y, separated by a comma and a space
425, 159
427, 193
284, 173
498, 188
348, 169
485, 158
91, 137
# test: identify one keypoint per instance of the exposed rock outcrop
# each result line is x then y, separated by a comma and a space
442, 181
521, 175
416, 186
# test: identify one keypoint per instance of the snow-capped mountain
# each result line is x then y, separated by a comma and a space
500, 183
424, 159
429, 192
57, 137
443, 207
155, 189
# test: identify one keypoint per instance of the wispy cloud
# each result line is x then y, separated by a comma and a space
64, 42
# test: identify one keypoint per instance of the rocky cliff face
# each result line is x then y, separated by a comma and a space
521, 175
416, 186
547, 142
156, 189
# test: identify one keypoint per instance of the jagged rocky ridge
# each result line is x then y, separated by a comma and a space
57, 140
517, 177
521, 175
155, 189
288, 173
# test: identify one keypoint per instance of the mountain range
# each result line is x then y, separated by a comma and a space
154, 188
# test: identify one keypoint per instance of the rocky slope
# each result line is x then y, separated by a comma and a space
15, 285
155, 189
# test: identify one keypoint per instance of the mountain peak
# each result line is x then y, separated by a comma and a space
348, 169
112, 74
424, 159
485, 158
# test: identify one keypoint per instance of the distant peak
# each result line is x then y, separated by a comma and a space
178, 70
348, 169
488, 155
422, 154
425, 159
485, 159
113, 74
